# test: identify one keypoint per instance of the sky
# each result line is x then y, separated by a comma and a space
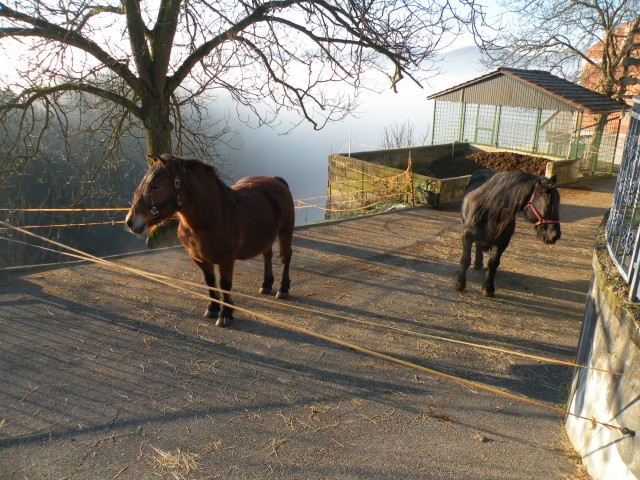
301, 156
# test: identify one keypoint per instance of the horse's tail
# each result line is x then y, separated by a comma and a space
280, 179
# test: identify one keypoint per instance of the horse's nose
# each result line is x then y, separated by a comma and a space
129, 221
553, 235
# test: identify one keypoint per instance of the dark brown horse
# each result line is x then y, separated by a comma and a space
218, 224
489, 208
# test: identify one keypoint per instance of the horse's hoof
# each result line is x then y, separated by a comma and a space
282, 295
489, 292
460, 286
211, 313
265, 290
477, 267
223, 322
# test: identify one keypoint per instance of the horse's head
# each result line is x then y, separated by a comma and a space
543, 210
157, 197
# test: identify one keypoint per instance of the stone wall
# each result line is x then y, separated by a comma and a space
567, 171
356, 180
421, 157
610, 340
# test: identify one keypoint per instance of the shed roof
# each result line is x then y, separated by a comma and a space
529, 89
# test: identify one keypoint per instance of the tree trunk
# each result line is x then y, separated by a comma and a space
158, 126
593, 155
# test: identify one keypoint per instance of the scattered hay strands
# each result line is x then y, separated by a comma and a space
182, 462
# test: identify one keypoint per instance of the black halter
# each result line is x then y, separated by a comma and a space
174, 202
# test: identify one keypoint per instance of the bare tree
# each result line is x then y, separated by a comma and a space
147, 64
399, 135
568, 37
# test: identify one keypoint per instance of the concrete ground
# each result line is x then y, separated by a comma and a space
105, 375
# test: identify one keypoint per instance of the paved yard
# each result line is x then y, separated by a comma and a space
106, 375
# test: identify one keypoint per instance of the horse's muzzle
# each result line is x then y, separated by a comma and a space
550, 235
135, 223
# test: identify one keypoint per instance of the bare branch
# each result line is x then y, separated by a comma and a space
575, 39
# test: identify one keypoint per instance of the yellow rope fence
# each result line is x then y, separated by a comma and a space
382, 189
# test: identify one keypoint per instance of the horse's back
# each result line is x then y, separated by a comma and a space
257, 188
477, 179
267, 204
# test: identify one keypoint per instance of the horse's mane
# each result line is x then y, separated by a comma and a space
498, 201
184, 165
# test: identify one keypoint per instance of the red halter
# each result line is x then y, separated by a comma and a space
535, 212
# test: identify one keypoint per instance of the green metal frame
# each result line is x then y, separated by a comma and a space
536, 134
573, 155
506, 127
433, 122
463, 112
496, 125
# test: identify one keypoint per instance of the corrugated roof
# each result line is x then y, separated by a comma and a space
560, 90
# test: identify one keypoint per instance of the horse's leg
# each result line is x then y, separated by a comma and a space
226, 279
465, 261
489, 288
213, 309
285, 240
267, 278
479, 258
497, 249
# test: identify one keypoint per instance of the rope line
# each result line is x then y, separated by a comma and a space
32, 210
335, 341
568, 363
302, 201
301, 204
64, 225
368, 323
398, 329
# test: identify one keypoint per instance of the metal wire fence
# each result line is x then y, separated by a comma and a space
588, 137
622, 230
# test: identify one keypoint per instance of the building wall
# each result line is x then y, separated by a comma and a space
507, 91
590, 76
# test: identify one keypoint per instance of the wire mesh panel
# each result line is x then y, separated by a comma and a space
486, 124
446, 122
598, 139
557, 133
621, 231
356, 185
589, 137
518, 128
470, 126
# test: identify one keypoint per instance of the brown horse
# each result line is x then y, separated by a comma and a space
218, 224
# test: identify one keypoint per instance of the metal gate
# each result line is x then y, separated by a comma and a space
622, 232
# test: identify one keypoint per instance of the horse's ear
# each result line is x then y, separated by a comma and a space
549, 182
153, 159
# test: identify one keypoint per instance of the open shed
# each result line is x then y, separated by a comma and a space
534, 112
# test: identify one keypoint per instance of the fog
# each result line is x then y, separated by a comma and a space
301, 156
